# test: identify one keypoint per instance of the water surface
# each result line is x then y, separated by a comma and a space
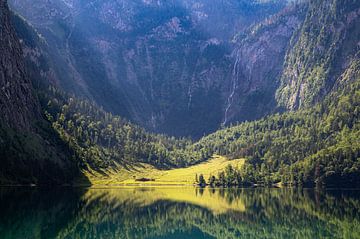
178, 212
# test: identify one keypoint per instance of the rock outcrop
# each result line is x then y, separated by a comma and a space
175, 67
324, 47
30, 150
260, 55
166, 65
18, 105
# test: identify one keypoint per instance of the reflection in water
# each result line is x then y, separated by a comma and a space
182, 212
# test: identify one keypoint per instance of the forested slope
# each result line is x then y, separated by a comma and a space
320, 52
30, 150
317, 145
48, 136
101, 139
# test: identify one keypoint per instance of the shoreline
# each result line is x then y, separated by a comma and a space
179, 185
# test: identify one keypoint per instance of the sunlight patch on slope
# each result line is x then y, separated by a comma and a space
182, 176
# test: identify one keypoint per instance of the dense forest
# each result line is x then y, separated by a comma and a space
180, 119
316, 145
319, 145
100, 139
313, 140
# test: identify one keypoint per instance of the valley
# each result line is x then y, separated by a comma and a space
107, 92
156, 119
166, 66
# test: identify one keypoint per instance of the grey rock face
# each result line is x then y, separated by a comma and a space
259, 55
18, 106
166, 65
325, 46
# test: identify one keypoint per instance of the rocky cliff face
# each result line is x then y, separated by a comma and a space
258, 65
167, 65
325, 46
30, 151
175, 66
18, 106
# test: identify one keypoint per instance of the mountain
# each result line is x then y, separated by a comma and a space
260, 52
18, 104
319, 141
30, 151
107, 76
185, 68
165, 65
315, 145
323, 49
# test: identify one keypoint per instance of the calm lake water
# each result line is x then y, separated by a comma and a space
178, 212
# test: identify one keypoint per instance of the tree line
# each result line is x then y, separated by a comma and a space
319, 145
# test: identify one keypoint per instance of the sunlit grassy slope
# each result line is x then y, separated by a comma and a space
127, 174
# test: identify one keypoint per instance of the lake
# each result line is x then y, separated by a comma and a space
178, 212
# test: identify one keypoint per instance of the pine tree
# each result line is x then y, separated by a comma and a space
202, 182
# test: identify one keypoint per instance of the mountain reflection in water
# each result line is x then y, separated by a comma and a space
178, 212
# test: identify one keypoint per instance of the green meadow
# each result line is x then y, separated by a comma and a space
121, 175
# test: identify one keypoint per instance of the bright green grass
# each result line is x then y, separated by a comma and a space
181, 176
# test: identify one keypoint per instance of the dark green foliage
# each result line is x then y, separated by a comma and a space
319, 145
212, 180
35, 157
102, 140
328, 38
228, 178
202, 181
75, 213
162, 66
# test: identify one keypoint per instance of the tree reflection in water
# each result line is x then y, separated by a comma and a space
178, 212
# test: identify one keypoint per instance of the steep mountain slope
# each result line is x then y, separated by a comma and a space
171, 67
18, 105
321, 51
259, 54
166, 65
80, 132
30, 152
102, 140
171, 76
317, 145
